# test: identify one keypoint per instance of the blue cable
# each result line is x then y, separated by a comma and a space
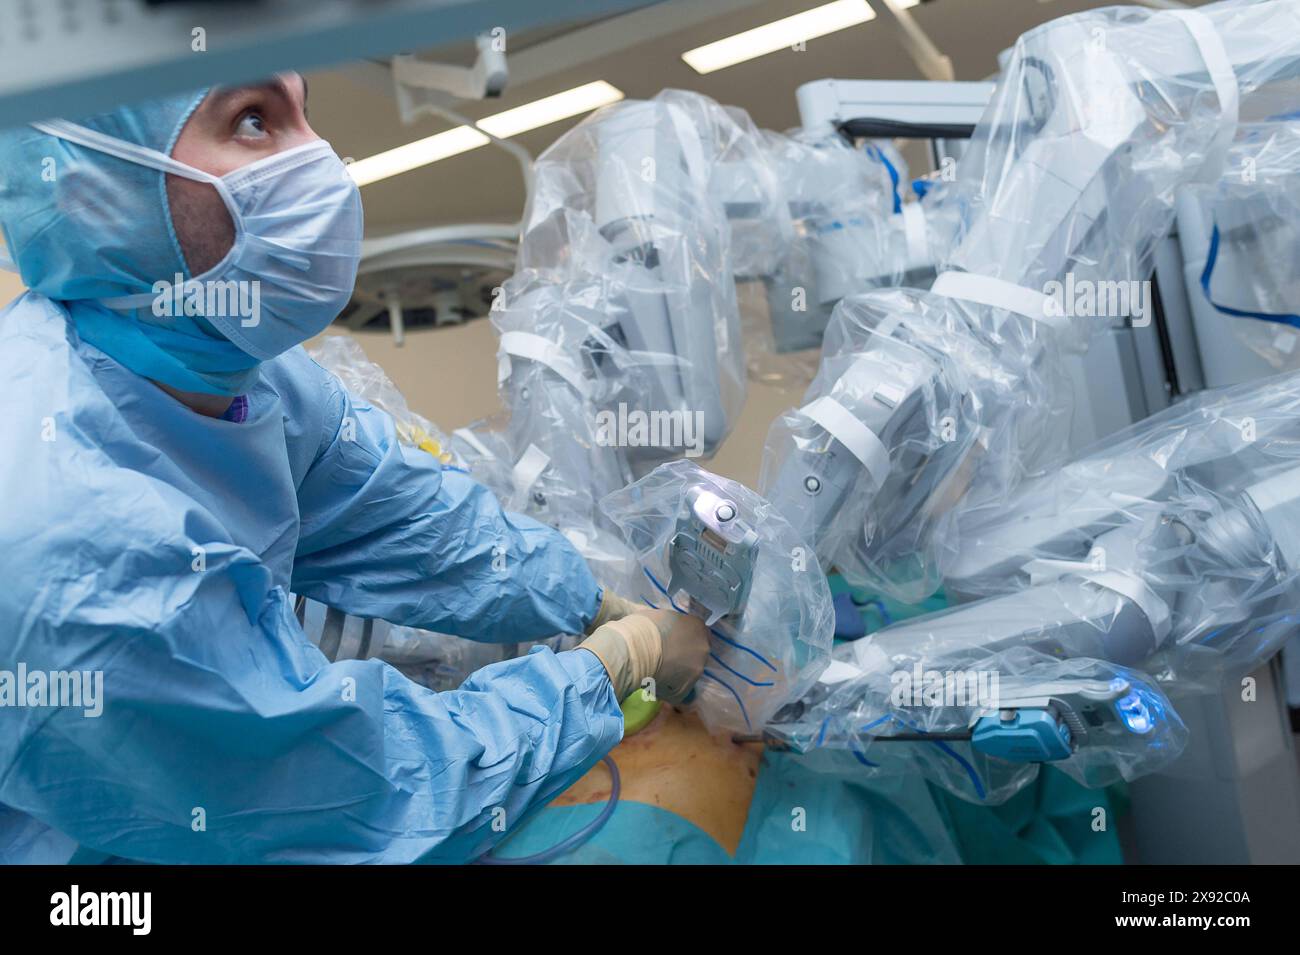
1282, 318
879, 154
861, 757
885, 616
740, 646
738, 673
944, 747
859, 754
970, 770
739, 701
580, 837
727, 640
872, 725
662, 589
821, 733
731, 643
857, 751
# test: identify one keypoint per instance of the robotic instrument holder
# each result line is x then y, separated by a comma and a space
711, 555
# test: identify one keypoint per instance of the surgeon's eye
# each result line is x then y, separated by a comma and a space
252, 125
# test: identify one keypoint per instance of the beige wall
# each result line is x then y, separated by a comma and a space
449, 376
10, 285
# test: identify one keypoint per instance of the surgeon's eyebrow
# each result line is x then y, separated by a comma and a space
277, 86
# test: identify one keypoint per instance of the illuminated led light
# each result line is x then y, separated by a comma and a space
779, 35
391, 162
1135, 714
511, 122
551, 109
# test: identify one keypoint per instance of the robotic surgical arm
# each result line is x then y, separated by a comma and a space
1240, 238
814, 219
1069, 181
624, 312
622, 206
669, 248
619, 332
1175, 552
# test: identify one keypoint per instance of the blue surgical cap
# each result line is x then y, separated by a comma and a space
82, 225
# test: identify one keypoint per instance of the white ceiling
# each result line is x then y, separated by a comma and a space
484, 184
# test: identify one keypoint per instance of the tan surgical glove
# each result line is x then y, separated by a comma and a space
613, 607
668, 647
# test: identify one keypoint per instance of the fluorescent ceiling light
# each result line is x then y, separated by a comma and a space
414, 155
551, 109
778, 35
511, 122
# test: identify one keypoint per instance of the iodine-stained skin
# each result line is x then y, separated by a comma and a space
676, 765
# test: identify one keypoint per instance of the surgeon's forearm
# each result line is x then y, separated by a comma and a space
443, 555
387, 532
556, 591
356, 764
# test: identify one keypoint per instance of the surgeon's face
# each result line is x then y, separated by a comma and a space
232, 127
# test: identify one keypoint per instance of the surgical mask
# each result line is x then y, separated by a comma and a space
291, 269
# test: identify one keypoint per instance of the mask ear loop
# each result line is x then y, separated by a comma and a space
152, 159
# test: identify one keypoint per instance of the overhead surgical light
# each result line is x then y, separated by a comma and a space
511, 122
781, 34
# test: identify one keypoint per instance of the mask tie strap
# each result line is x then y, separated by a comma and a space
141, 156
131, 152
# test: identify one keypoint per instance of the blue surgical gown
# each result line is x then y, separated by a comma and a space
158, 547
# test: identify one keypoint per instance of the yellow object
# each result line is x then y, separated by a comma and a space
419, 438
639, 711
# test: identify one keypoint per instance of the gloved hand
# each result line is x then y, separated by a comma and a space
613, 607
667, 646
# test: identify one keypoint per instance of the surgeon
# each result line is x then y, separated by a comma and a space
173, 466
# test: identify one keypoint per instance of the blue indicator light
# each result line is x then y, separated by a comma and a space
1133, 711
